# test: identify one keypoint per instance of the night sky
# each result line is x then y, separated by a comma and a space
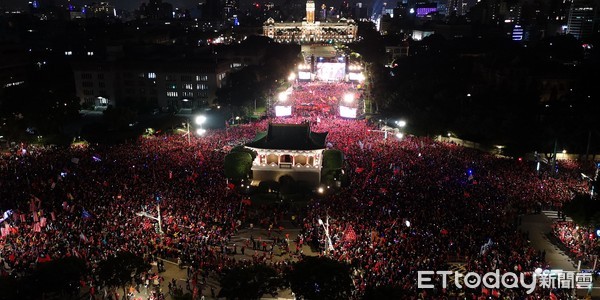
133, 4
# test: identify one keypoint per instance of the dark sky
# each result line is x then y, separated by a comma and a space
133, 4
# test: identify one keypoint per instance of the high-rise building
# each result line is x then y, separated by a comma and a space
581, 19
230, 9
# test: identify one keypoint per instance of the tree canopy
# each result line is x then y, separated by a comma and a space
250, 282
321, 278
237, 165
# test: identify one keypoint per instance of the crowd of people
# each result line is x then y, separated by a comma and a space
412, 204
322, 99
581, 242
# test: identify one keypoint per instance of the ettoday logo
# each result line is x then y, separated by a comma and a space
508, 280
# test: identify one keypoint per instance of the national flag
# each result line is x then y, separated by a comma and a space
553, 296
37, 227
85, 214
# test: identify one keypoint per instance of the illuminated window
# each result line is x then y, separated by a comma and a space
202, 86
151, 75
90, 53
68, 53
188, 86
172, 94
202, 78
187, 94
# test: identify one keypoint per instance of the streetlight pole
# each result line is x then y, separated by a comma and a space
188, 133
149, 216
325, 225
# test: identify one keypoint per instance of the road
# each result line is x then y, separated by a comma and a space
539, 226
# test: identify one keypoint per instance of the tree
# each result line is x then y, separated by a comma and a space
243, 149
118, 117
250, 282
60, 276
332, 165
583, 210
118, 270
237, 165
320, 278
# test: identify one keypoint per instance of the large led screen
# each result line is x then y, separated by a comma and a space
327, 71
283, 111
347, 112
303, 75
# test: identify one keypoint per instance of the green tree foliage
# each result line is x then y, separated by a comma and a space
243, 149
255, 83
320, 278
237, 165
250, 282
119, 270
333, 159
118, 117
583, 210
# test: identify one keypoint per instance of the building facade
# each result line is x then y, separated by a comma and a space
581, 19
311, 31
288, 149
170, 86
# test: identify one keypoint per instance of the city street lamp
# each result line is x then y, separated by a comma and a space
200, 120
282, 96
326, 229
149, 216
401, 123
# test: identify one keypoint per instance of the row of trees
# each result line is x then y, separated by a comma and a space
311, 278
60, 278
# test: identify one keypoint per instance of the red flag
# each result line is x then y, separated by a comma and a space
349, 234
37, 227
485, 291
53, 216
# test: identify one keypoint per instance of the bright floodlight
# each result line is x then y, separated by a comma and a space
401, 123
200, 131
321, 190
283, 96
292, 77
399, 135
361, 77
348, 98
200, 120
320, 222
407, 223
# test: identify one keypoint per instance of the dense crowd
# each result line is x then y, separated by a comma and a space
322, 99
412, 204
581, 242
